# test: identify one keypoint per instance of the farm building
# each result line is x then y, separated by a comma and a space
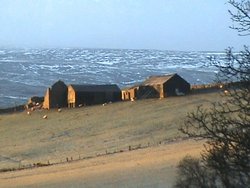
129, 93
92, 94
139, 92
158, 87
56, 96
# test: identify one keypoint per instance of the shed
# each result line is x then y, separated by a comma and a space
168, 85
56, 96
158, 87
92, 94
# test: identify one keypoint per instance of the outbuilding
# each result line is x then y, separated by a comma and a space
168, 85
139, 92
56, 96
161, 86
92, 94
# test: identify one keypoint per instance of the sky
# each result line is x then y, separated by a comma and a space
185, 25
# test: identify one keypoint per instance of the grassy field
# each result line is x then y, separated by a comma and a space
91, 131
150, 167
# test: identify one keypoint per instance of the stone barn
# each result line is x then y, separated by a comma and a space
56, 96
158, 87
92, 94
168, 85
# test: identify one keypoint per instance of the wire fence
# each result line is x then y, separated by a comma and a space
91, 155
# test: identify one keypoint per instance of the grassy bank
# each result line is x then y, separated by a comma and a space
89, 131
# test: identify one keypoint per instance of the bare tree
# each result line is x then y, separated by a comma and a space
241, 16
192, 173
226, 125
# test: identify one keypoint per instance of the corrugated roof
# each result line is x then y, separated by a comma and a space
96, 88
154, 80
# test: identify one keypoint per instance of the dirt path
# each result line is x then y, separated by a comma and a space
150, 167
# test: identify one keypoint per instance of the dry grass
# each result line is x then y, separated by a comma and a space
90, 131
150, 167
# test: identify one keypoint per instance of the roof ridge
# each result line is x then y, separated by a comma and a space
163, 75
158, 79
93, 87
93, 84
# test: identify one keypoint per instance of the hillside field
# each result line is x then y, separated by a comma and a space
92, 134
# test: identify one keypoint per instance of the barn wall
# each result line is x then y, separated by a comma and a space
59, 95
159, 89
56, 96
109, 96
91, 98
126, 94
116, 96
112, 96
174, 83
133, 93
71, 97
46, 102
100, 97
83, 98
147, 92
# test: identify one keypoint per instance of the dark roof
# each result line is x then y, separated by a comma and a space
60, 84
96, 88
154, 80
